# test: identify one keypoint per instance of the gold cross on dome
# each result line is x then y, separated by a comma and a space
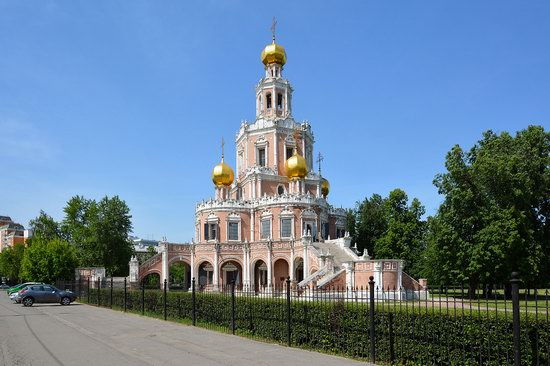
223, 143
273, 25
320, 158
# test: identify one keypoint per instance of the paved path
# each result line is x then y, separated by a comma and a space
84, 335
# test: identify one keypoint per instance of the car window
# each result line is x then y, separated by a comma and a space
36, 288
48, 288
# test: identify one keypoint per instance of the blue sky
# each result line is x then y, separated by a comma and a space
123, 97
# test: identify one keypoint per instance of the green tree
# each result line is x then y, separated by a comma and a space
10, 261
371, 222
151, 252
99, 231
177, 273
404, 237
495, 215
44, 227
49, 260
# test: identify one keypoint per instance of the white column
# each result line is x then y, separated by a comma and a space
275, 154
252, 222
260, 187
269, 269
216, 281
306, 261
165, 268
291, 267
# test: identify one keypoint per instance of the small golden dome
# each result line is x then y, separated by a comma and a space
296, 167
222, 175
325, 187
273, 54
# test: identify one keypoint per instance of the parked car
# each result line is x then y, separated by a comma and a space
18, 287
44, 294
4, 286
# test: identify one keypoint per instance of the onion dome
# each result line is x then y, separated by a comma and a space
222, 175
296, 167
325, 187
273, 54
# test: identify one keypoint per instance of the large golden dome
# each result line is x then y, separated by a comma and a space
296, 167
222, 175
273, 54
325, 187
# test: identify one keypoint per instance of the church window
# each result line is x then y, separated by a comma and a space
266, 229
210, 231
280, 190
261, 157
268, 100
279, 101
288, 152
286, 228
233, 231
276, 72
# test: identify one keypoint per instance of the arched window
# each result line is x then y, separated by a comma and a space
279, 101
280, 190
268, 98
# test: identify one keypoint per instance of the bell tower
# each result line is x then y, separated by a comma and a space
273, 93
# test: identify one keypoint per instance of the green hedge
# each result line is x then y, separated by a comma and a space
420, 337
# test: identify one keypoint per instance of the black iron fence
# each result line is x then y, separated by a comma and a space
438, 325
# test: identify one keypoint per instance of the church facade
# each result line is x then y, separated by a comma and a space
271, 218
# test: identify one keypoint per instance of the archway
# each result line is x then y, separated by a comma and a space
152, 280
179, 275
280, 273
298, 269
231, 271
260, 275
206, 275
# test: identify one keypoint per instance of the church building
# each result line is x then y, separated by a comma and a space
271, 218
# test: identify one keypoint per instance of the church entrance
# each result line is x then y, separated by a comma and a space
206, 275
299, 270
280, 273
231, 271
260, 275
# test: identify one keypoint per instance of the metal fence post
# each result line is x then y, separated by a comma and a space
233, 307
371, 318
99, 292
165, 286
193, 302
125, 294
515, 316
288, 314
80, 288
88, 290
111, 294
392, 341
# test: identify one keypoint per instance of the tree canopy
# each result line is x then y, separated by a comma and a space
494, 217
99, 231
49, 260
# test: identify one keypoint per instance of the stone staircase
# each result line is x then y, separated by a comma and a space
334, 253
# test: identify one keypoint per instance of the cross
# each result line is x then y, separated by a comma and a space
273, 24
320, 158
223, 143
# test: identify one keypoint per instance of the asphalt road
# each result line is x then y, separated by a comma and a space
51, 334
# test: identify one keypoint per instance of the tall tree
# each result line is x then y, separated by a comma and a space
495, 215
371, 222
100, 230
10, 261
44, 227
49, 260
405, 230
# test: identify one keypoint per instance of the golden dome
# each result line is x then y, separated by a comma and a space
325, 187
296, 167
222, 175
273, 54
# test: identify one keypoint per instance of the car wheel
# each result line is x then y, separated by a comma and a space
65, 301
28, 301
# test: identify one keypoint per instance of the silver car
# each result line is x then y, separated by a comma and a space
44, 294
